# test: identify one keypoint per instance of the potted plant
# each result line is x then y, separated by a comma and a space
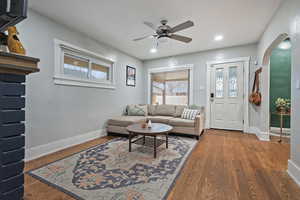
283, 105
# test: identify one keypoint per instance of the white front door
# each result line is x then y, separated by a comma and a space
227, 96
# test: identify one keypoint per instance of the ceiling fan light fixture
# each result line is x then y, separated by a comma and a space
153, 50
164, 32
162, 40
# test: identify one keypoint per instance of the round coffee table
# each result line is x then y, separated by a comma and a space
136, 130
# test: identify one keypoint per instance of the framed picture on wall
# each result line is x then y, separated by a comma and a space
130, 76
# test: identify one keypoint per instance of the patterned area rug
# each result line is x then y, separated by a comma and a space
109, 172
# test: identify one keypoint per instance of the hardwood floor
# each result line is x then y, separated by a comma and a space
225, 165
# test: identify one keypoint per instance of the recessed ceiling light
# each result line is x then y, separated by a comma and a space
219, 37
153, 50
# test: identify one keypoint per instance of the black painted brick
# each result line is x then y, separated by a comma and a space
16, 194
12, 143
12, 89
11, 116
11, 169
9, 103
12, 78
11, 183
13, 156
8, 130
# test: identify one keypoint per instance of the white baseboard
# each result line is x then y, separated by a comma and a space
252, 130
276, 132
278, 135
263, 136
294, 171
45, 149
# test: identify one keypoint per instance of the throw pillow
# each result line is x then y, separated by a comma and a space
151, 109
137, 110
190, 114
178, 110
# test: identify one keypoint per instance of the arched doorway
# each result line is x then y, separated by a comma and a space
265, 82
274, 45
280, 91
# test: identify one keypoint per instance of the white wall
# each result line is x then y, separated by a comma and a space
286, 20
198, 60
56, 112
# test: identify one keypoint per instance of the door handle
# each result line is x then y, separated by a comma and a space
212, 95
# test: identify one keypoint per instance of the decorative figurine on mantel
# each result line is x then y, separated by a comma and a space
12, 41
14, 44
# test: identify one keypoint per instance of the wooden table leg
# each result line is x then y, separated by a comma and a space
167, 141
154, 146
281, 126
130, 141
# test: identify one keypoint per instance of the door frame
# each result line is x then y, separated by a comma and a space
246, 64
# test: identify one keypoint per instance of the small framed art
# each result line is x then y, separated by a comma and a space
130, 76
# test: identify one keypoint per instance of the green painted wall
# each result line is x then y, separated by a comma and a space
280, 82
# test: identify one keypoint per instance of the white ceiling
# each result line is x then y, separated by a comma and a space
117, 22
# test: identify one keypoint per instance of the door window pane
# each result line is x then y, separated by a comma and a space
99, 72
233, 87
219, 83
76, 67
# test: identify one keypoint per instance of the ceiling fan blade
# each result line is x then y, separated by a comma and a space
149, 24
144, 37
181, 38
182, 26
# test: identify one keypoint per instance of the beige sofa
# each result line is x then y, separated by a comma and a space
167, 114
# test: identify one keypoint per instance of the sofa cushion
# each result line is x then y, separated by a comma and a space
126, 120
164, 110
182, 122
151, 109
178, 110
137, 110
160, 119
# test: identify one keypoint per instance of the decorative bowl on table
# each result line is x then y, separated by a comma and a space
144, 125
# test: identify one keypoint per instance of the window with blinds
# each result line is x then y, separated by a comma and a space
170, 87
79, 67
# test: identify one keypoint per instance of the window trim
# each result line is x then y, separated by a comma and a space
61, 48
189, 67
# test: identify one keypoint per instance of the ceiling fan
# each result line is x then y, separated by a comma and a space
165, 31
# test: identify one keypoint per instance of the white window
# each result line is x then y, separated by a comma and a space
171, 85
79, 67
